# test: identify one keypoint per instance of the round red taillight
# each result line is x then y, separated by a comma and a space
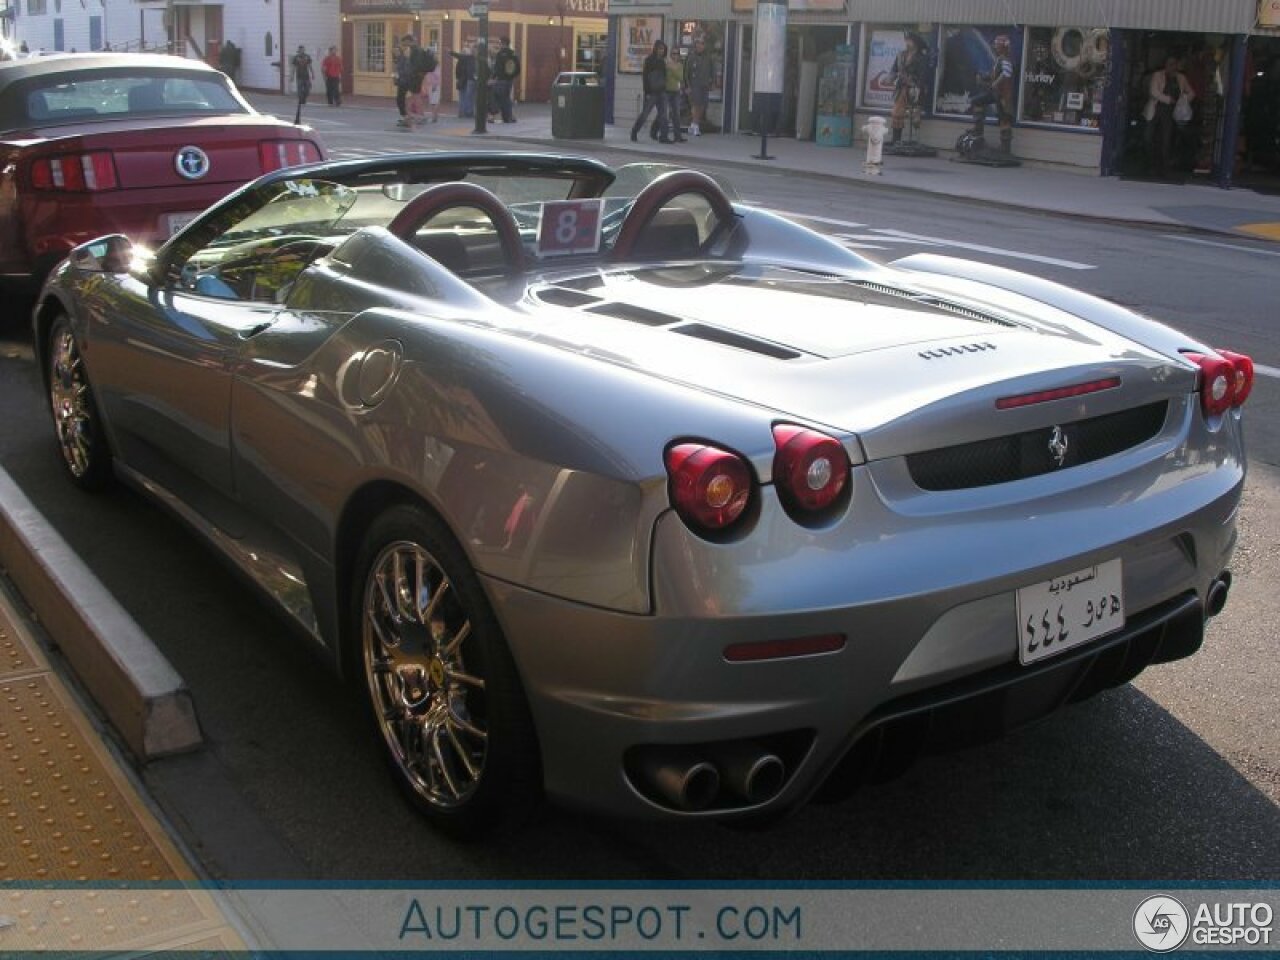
710, 487
810, 469
1217, 383
1242, 384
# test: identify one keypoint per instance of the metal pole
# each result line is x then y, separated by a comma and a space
1233, 107
482, 75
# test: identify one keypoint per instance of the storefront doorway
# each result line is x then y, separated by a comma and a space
1196, 148
1258, 151
810, 47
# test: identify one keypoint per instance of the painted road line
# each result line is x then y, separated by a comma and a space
829, 221
878, 238
996, 251
1262, 370
1268, 231
1224, 246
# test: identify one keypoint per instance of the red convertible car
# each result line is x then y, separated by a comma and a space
130, 143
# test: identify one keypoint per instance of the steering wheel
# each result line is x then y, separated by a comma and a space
657, 195
443, 196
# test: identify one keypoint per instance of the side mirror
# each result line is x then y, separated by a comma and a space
113, 254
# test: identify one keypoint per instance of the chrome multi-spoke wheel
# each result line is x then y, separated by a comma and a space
430, 708
75, 417
443, 689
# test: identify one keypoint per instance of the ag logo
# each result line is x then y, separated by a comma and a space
191, 162
1161, 923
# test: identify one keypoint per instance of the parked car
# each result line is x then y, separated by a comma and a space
601, 483
130, 143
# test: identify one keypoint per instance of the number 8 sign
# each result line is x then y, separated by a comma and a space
569, 226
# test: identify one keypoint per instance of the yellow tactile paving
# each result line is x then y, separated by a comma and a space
73, 823
1268, 231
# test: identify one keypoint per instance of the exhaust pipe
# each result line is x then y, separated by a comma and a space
1217, 597
752, 772
687, 783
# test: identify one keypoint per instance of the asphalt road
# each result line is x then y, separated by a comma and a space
1176, 777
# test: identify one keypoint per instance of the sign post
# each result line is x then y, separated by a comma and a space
769, 67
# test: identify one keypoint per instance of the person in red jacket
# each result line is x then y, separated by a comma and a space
331, 67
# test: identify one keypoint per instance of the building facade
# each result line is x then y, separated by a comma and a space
1082, 69
550, 36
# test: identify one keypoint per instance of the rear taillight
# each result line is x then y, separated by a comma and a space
1225, 380
810, 469
75, 172
277, 154
1243, 381
710, 488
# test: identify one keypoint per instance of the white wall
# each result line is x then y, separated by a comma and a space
316, 24
119, 23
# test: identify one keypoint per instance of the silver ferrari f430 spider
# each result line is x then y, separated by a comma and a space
601, 484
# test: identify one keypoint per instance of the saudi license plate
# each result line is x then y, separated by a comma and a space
1069, 610
176, 221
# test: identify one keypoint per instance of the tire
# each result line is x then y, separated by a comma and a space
438, 677
82, 442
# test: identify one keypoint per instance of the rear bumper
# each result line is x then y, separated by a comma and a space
52, 227
927, 610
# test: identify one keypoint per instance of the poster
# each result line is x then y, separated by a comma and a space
885, 45
966, 52
1269, 13
636, 36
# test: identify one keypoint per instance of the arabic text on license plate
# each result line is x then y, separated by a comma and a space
1069, 610
177, 221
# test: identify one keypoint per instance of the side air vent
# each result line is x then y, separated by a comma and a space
563, 297
728, 339
1035, 452
629, 311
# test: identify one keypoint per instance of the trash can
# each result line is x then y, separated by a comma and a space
577, 107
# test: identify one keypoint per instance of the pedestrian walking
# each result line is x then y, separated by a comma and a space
506, 68
431, 86
699, 74
675, 90
1168, 85
303, 73
331, 68
229, 61
464, 80
412, 67
654, 78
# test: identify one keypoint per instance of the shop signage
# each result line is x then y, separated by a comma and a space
1269, 13
636, 36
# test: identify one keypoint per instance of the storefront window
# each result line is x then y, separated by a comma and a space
1064, 76
371, 47
966, 54
589, 52
712, 35
884, 43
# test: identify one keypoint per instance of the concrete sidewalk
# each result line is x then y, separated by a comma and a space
1241, 213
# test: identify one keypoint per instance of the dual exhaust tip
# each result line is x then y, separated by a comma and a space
693, 780
1216, 599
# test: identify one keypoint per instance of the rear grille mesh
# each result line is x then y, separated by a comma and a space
1029, 454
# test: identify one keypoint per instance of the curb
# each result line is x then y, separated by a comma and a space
133, 683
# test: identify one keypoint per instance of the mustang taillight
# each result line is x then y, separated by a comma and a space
810, 469
277, 154
75, 172
1225, 380
710, 488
